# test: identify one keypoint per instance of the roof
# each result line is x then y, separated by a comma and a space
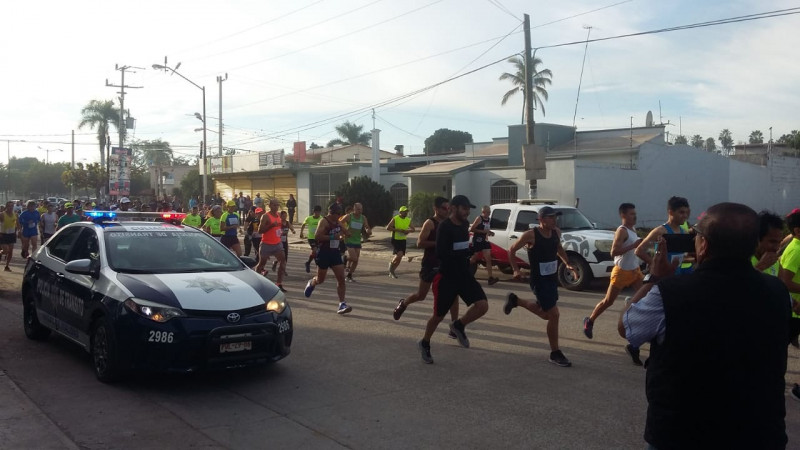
594, 141
491, 150
442, 168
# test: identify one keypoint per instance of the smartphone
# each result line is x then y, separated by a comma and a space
680, 243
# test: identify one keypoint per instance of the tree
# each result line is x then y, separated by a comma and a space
351, 134
191, 185
710, 145
446, 141
98, 114
792, 139
151, 153
314, 146
726, 140
377, 201
756, 137
420, 206
681, 140
697, 141
541, 78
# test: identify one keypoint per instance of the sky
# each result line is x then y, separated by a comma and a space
297, 69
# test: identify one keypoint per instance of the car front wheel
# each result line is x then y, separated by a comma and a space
33, 328
580, 279
105, 358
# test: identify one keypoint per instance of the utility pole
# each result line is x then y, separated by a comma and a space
72, 166
121, 126
220, 80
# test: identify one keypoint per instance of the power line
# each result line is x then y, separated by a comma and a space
501, 7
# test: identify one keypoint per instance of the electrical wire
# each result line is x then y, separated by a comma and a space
501, 7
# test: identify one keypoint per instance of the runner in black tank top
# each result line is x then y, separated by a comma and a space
481, 248
329, 234
544, 252
430, 263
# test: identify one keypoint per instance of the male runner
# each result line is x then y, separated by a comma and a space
311, 222
626, 272
193, 219
286, 226
455, 279
355, 223
329, 233
790, 275
29, 224
430, 263
229, 225
544, 249
677, 213
481, 247
400, 226
269, 227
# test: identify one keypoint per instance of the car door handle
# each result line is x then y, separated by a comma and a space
38, 263
59, 275
513, 237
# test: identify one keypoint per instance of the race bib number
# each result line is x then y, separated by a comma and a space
356, 225
548, 268
234, 221
283, 238
31, 224
460, 245
278, 232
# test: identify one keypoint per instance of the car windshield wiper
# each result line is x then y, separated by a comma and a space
130, 270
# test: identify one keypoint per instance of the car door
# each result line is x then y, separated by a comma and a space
75, 307
49, 268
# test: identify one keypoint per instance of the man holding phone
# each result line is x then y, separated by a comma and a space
677, 213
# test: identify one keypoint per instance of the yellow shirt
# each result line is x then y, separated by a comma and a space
9, 223
400, 224
192, 220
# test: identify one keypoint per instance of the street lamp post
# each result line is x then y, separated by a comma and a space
47, 162
165, 67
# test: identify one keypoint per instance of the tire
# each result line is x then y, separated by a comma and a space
104, 352
34, 330
584, 274
505, 268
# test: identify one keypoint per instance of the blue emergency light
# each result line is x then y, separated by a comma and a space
101, 216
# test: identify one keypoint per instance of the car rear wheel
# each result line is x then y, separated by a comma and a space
105, 358
582, 277
33, 328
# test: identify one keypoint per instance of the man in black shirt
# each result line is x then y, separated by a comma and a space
544, 250
454, 279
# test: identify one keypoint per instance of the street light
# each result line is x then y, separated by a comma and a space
202, 118
47, 158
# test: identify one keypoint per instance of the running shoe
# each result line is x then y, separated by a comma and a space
399, 310
24, 254
460, 335
349, 277
633, 352
588, 326
511, 303
280, 286
343, 308
493, 280
559, 359
308, 266
425, 352
451, 335
795, 391
309, 289
392, 274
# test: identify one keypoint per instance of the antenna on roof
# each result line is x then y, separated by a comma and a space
648, 122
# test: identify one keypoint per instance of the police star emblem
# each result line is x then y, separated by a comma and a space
208, 284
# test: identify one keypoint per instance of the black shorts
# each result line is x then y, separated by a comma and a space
794, 328
546, 291
428, 273
447, 287
399, 246
8, 238
478, 246
328, 258
313, 244
229, 241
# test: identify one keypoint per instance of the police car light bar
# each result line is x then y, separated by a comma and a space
107, 216
173, 216
101, 216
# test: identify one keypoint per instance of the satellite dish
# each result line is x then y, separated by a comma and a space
649, 120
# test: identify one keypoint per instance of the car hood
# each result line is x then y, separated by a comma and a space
207, 291
590, 234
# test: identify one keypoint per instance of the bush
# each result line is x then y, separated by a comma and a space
421, 207
377, 201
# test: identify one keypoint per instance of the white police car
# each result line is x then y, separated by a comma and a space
153, 296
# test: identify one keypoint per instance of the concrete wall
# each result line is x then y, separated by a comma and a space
560, 182
482, 180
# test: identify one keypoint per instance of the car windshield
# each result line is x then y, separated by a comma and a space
166, 251
572, 219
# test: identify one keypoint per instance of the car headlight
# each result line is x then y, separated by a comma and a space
277, 304
153, 311
603, 245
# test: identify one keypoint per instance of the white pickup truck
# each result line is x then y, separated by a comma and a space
588, 249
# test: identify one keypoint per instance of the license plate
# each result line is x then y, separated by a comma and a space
284, 326
231, 347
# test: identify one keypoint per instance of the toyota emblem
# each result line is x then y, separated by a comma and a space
233, 317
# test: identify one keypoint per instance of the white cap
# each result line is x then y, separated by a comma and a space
124, 200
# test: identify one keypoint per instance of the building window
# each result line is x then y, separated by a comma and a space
399, 193
503, 191
323, 187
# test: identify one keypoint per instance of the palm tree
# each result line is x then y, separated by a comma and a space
541, 78
98, 114
350, 134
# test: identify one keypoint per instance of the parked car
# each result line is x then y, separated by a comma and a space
153, 296
588, 249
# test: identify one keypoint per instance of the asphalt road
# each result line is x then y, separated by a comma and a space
353, 381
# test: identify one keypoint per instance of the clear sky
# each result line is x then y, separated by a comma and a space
298, 68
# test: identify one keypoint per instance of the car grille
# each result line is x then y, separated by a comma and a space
221, 314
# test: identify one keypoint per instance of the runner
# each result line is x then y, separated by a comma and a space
356, 224
430, 263
212, 224
68, 217
790, 273
455, 279
255, 236
400, 226
8, 233
544, 250
286, 226
269, 227
311, 222
229, 225
29, 225
329, 233
193, 219
48, 223
677, 213
626, 272
481, 247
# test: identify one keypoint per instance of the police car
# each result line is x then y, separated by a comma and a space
152, 296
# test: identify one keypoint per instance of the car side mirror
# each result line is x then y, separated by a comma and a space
83, 267
594, 225
248, 261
